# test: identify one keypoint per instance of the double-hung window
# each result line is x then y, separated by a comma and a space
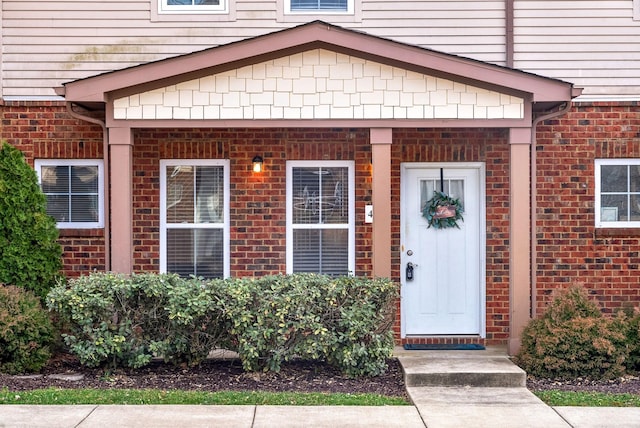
617, 192
194, 217
322, 6
192, 6
320, 217
74, 191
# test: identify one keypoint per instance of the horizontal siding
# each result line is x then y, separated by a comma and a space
49, 42
593, 43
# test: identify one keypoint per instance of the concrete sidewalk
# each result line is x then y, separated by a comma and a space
91, 416
451, 407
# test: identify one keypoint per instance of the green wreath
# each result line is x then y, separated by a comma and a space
442, 211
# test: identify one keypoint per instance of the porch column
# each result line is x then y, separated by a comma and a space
519, 234
121, 147
381, 139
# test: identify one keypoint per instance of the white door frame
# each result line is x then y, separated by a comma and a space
482, 230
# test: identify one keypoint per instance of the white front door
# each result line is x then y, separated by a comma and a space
445, 294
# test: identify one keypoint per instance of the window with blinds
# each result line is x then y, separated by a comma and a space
73, 189
310, 5
320, 220
194, 218
191, 6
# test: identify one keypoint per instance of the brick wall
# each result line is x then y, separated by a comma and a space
44, 130
257, 201
570, 250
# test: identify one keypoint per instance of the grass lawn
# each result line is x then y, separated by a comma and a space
588, 399
132, 396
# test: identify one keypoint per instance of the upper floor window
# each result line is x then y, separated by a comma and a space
617, 192
192, 6
323, 6
73, 189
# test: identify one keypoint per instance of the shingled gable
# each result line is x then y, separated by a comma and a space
540, 91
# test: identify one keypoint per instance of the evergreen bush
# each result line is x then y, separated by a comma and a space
25, 331
30, 256
574, 339
120, 320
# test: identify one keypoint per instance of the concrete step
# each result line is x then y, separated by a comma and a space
460, 368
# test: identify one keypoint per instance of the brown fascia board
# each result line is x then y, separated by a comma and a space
310, 36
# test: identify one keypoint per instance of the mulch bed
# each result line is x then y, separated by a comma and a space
228, 375
212, 375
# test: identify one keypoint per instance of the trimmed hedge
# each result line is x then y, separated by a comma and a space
124, 321
120, 320
345, 321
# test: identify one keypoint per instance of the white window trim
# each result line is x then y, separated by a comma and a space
349, 11
163, 215
352, 14
598, 197
39, 163
636, 10
351, 221
164, 8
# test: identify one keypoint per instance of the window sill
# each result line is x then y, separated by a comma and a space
617, 232
81, 233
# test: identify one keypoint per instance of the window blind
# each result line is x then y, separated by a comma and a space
195, 220
318, 4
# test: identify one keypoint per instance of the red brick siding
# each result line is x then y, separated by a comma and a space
45, 130
570, 250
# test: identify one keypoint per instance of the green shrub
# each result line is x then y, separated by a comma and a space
30, 256
273, 318
631, 325
25, 331
345, 321
121, 320
363, 332
127, 320
573, 339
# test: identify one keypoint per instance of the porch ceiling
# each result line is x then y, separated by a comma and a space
542, 92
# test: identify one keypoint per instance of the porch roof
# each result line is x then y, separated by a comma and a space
542, 92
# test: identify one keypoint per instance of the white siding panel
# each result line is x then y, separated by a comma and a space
468, 28
48, 42
592, 43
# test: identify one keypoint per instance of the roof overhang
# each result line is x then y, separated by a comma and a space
542, 92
